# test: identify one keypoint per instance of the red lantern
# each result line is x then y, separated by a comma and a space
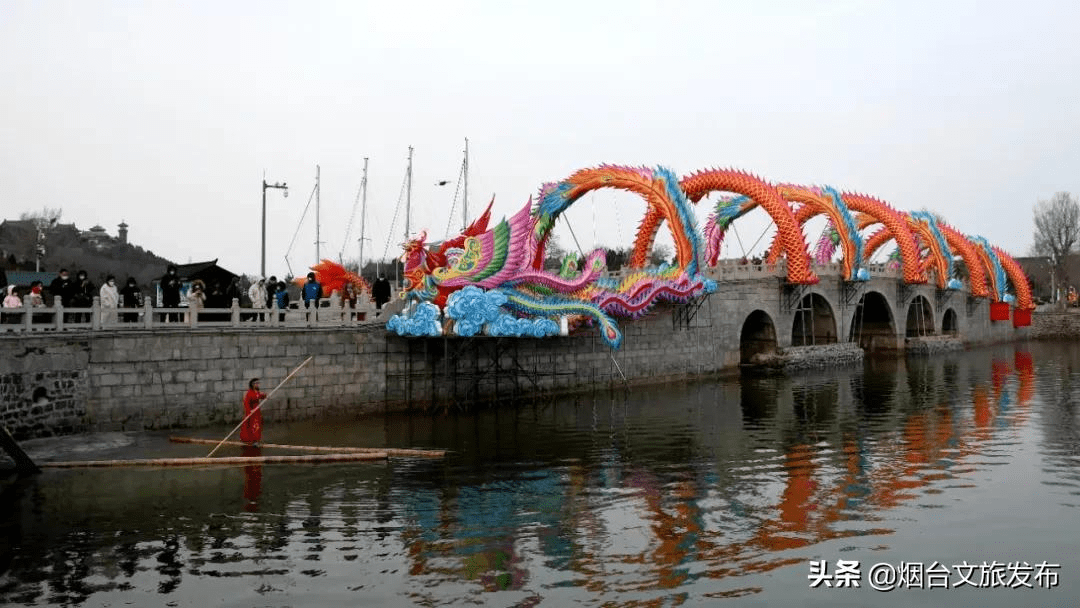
1021, 318
999, 311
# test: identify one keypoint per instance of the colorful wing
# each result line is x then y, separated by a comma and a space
489, 259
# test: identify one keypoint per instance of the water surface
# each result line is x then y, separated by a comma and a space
709, 493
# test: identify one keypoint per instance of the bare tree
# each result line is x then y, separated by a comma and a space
1057, 231
659, 255
46, 216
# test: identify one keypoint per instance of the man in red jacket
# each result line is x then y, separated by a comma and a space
251, 432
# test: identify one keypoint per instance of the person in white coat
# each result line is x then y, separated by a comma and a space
196, 298
257, 294
109, 296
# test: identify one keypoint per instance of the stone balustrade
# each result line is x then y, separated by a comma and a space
96, 317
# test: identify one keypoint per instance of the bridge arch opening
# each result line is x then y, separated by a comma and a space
949, 323
758, 336
920, 318
814, 322
872, 326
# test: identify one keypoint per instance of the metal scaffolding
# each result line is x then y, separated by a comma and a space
453, 371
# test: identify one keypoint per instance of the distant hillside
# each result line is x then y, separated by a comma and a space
67, 247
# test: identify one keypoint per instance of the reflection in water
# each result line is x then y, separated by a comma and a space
252, 479
672, 495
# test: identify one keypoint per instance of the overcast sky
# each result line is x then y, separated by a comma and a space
167, 114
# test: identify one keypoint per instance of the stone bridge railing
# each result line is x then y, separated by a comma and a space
330, 313
29, 319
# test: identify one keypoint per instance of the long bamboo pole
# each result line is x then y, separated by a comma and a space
228, 460
298, 367
321, 448
23, 464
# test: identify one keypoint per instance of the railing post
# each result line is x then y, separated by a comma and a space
27, 316
193, 315
58, 318
235, 312
95, 314
148, 313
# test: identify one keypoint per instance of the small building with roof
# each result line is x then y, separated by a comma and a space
207, 272
24, 278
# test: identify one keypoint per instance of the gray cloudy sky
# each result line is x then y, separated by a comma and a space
167, 114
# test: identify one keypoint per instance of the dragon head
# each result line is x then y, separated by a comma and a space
419, 263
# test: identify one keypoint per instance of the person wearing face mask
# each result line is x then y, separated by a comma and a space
62, 288
257, 293
83, 295
37, 298
170, 293
271, 290
132, 298
196, 299
110, 299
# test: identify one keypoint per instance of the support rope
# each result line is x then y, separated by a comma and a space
299, 225
397, 209
453, 202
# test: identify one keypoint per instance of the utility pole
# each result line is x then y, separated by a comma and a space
1053, 284
285, 192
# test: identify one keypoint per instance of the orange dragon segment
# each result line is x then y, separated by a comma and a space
659, 193
976, 270
818, 201
700, 184
897, 226
1018, 279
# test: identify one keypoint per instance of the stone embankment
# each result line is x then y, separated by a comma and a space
1055, 325
798, 358
932, 345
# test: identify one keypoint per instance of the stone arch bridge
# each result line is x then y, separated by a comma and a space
756, 311
491, 280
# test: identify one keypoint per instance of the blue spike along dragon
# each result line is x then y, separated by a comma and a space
492, 280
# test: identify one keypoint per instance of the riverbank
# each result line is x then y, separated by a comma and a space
1056, 325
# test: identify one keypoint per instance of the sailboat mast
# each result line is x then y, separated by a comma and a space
465, 196
363, 213
408, 208
318, 257
408, 194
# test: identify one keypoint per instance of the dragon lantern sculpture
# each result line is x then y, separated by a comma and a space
491, 279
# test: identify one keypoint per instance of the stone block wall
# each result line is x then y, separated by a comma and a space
135, 380
43, 385
1055, 325
57, 383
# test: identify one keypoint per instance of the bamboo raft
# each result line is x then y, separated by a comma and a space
221, 460
322, 448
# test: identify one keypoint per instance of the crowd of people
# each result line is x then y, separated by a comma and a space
264, 294
77, 293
